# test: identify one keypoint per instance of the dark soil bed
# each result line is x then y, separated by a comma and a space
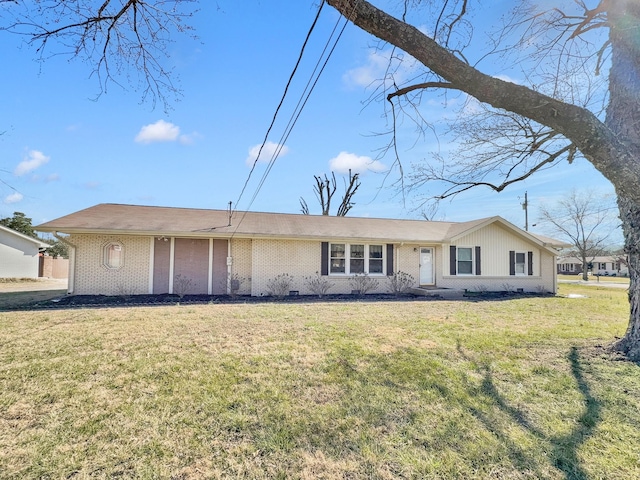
68, 301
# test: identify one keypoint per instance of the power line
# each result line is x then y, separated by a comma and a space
311, 83
298, 111
284, 94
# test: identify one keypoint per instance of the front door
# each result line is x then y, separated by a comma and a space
426, 266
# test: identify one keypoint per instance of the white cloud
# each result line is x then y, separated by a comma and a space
346, 161
381, 64
507, 78
268, 151
54, 177
189, 139
367, 74
13, 198
34, 159
160, 131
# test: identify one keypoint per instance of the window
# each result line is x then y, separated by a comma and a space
520, 263
353, 259
113, 255
356, 263
337, 258
465, 261
375, 259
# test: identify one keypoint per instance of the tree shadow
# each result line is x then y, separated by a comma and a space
564, 447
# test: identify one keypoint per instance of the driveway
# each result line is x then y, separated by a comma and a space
15, 294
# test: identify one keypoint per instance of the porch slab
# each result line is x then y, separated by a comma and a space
446, 293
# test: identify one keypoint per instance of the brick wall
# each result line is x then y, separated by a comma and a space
92, 277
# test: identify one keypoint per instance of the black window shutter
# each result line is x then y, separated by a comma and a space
512, 262
452, 260
324, 258
478, 263
530, 255
389, 259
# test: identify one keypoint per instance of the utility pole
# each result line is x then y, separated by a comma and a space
525, 207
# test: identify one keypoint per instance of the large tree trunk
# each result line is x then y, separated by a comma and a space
630, 215
623, 118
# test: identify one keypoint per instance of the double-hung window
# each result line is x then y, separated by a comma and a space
357, 258
465, 261
338, 256
521, 263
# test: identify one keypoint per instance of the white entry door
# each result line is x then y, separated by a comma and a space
426, 266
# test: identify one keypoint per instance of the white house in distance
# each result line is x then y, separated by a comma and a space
601, 265
148, 250
18, 254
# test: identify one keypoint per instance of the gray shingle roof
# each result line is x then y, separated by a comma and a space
189, 222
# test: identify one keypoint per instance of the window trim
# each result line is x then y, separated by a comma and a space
347, 259
106, 261
524, 263
472, 261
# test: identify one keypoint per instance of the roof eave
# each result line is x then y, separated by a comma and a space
239, 235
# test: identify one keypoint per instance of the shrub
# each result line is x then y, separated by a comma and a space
318, 284
363, 283
507, 287
181, 285
400, 283
280, 285
232, 283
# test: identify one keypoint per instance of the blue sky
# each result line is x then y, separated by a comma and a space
63, 151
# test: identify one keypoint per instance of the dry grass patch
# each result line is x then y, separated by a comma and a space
502, 389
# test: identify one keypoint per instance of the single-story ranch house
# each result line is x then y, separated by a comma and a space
129, 249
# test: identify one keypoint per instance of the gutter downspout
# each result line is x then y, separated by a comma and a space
72, 262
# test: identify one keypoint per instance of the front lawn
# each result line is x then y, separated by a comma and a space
519, 388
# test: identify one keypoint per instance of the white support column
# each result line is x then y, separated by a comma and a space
152, 245
172, 252
210, 274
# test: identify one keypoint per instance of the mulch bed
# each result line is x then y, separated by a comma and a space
71, 301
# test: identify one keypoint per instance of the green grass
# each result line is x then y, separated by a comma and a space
513, 389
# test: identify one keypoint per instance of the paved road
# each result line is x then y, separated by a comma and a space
595, 283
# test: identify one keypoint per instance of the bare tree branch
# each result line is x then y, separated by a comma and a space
111, 36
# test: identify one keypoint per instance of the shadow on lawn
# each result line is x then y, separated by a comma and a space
564, 447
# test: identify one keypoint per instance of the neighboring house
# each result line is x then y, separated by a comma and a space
18, 254
140, 249
603, 265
